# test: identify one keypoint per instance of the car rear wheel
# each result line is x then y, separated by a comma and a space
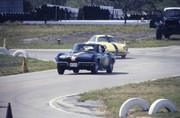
95, 68
110, 68
76, 70
60, 69
123, 56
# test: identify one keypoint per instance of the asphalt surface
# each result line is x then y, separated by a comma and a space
30, 93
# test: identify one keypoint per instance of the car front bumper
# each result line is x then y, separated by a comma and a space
76, 65
119, 53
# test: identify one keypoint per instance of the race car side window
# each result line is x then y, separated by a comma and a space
101, 49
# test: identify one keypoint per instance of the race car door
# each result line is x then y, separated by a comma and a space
104, 61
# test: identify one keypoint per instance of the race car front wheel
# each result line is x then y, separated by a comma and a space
123, 56
76, 70
95, 68
60, 69
110, 68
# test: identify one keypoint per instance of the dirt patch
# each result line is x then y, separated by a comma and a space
67, 38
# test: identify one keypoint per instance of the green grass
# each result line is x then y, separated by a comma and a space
151, 43
51, 45
19, 31
113, 98
13, 65
14, 32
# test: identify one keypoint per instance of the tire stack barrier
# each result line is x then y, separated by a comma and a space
153, 109
55, 13
5, 51
162, 103
133, 102
93, 13
25, 55
43, 13
20, 52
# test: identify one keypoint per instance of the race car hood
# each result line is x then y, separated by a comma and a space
82, 56
79, 56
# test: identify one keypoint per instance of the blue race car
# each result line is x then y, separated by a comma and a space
92, 57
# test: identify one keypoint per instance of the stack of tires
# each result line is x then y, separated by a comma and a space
43, 13
93, 13
52, 13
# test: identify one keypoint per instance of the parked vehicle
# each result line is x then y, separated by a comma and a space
167, 24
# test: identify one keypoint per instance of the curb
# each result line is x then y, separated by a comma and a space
69, 104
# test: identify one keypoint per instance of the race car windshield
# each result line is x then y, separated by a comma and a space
102, 39
112, 39
83, 48
107, 39
172, 13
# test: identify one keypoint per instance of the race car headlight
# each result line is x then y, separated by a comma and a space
125, 48
63, 56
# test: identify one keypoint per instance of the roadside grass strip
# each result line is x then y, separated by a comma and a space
151, 42
15, 33
10, 65
113, 98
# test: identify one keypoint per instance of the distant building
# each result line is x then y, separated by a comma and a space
115, 13
11, 6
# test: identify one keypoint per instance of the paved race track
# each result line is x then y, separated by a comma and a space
30, 93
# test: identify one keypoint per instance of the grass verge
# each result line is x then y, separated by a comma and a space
68, 45
13, 65
15, 32
21, 31
113, 98
151, 43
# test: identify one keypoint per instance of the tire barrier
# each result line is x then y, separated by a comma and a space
55, 13
4, 50
162, 103
93, 13
18, 52
43, 13
133, 102
153, 109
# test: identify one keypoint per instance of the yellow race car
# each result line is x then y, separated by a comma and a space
111, 44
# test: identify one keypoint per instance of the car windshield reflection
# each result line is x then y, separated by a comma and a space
84, 48
107, 39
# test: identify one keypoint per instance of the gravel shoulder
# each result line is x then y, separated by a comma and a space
79, 36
